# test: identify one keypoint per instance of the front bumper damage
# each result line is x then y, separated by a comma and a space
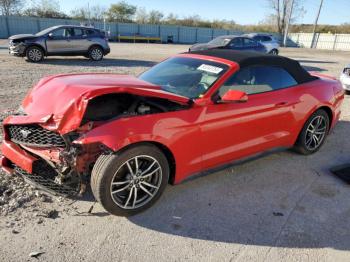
17, 49
60, 171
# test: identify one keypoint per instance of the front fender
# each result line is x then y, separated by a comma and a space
177, 131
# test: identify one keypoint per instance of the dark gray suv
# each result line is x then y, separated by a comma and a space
60, 40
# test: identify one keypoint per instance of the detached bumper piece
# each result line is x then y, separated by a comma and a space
44, 181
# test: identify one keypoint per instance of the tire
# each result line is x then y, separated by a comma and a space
307, 143
34, 54
274, 52
95, 53
122, 193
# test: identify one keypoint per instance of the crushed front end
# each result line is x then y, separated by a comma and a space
46, 157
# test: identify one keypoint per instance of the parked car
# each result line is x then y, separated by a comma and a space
345, 78
271, 43
231, 42
189, 114
63, 40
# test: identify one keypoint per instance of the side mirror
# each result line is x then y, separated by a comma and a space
232, 96
50, 35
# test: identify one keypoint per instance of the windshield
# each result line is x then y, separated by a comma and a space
185, 76
45, 31
220, 41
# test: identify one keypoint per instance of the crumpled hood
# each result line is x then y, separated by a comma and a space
22, 37
59, 102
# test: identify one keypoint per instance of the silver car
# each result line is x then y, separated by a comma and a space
345, 79
267, 40
60, 40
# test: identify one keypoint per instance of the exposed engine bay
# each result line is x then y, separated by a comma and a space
66, 166
112, 106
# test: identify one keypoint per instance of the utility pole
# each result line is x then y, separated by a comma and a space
315, 24
288, 22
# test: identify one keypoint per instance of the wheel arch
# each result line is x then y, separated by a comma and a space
97, 45
164, 149
36, 45
329, 112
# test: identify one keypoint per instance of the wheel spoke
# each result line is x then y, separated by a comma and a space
150, 185
120, 189
136, 165
129, 197
150, 174
144, 189
149, 168
135, 198
130, 169
121, 183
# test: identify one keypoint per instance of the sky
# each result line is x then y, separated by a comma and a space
242, 12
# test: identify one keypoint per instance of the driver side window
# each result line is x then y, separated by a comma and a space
258, 79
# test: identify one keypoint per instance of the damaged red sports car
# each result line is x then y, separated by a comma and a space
129, 137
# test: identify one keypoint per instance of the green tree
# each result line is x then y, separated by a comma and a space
121, 12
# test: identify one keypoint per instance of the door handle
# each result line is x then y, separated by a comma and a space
280, 104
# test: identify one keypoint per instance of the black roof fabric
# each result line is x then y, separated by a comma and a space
245, 58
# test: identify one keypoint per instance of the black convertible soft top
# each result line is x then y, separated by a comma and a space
245, 58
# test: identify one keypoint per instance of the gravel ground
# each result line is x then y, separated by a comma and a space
279, 207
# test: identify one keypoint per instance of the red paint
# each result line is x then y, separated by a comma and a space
204, 136
234, 96
17, 156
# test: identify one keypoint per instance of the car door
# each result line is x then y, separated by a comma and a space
235, 130
235, 44
80, 41
59, 41
252, 45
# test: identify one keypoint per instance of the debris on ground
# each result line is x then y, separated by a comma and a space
15, 192
36, 254
278, 214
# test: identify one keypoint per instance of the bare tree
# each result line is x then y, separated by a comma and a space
45, 8
95, 12
141, 16
280, 13
10, 7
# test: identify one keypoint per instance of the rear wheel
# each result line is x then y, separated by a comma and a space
34, 54
96, 53
130, 182
314, 133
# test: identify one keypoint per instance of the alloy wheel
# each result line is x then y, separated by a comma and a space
136, 182
316, 132
96, 54
35, 54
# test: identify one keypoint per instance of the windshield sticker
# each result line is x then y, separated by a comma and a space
210, 69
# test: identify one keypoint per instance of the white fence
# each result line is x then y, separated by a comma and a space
321, 41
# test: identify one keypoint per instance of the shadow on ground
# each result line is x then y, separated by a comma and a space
283, 199
103, 63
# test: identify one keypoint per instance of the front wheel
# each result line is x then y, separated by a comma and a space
35, 54
130, 182
314, 133
274, 52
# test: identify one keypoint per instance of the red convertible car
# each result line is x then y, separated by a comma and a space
191, 113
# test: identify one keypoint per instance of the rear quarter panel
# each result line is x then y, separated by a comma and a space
312, 96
